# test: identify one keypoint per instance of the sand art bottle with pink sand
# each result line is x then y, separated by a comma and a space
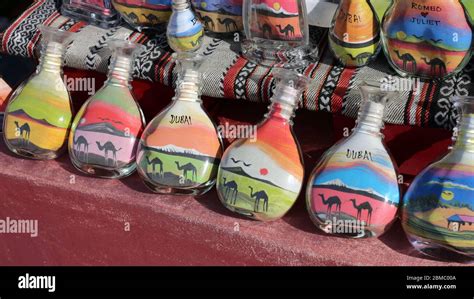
105, 132
180, 149
353, 191
261, 176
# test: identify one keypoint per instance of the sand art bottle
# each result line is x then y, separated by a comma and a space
427, 38
180, 149
354, 37
262, 176
38, 117
185, 31
277, 33
105, 132
438, 209
353, 190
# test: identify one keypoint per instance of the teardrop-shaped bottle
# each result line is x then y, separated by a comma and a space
427, 38
180, 149
438, 209
353, 191
261, 177
39, 114
185, 31
354, 37
106, 130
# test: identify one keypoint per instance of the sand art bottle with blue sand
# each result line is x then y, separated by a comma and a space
38, 117
353, 190
427, 38
185, 31
261, 176
106, 130
180, 149
438, 209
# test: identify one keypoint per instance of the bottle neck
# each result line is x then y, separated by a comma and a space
465, 134
120, 73
180, 6
370, 119
284, 105
188, 91
52, 58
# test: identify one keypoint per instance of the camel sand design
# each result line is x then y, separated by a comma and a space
363, 206
265, 28
133, 17
331, 201
151, 18
189, 167
207, 20
407, 58
81, 142
361, 58
260, 195
228, 22
155, 161
109, 146
232, 188
436, 64
25, 128
288, 30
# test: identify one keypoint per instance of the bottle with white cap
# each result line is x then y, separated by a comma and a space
185, 31
261, 175
39, 113
105, 132
354, 191
180, 149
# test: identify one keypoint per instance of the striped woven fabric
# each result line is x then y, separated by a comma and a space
228, 75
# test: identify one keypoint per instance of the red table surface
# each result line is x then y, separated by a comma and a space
82, 223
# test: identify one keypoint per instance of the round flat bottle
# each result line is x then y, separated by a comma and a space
353, 191
39, 114
180, 149
261, 177
105, 132
438, 209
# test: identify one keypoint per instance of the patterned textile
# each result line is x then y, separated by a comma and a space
228, 75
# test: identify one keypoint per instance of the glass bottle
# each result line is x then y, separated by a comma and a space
180, 149
427, 38
277, 33
262, 176
97, 12
353, 190
438, 210
144, 14
106, 130
354, 37
220, 16
185, 31
39, 114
